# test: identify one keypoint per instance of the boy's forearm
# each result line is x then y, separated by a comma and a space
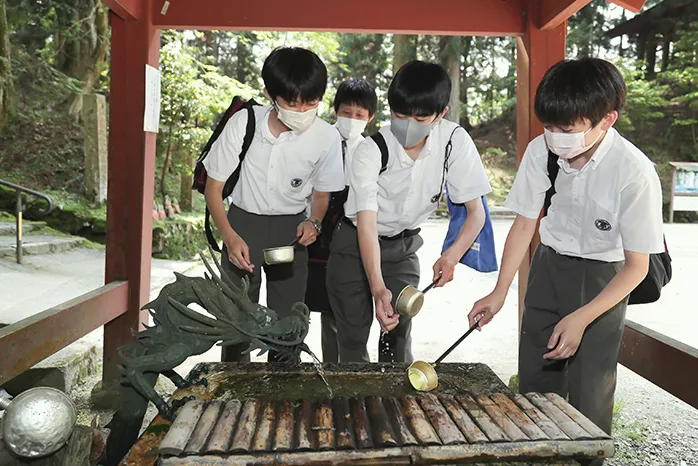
517, 244
319, 203
369, 249
625, 281
214, 202
469, 231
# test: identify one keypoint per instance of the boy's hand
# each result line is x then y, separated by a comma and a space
385, 315
238, 252
306, 233
444, 268
566, 337
485, 309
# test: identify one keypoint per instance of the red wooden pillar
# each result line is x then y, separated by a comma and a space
131, 176
536, 51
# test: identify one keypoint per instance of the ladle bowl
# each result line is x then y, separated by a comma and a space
422, 376
409, 302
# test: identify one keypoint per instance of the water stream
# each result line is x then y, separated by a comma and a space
321, 372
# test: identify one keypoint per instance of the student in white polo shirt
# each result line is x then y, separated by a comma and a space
355, 105
294, 156
373, 251
603, 222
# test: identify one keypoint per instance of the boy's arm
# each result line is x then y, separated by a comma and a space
370, 253
306, 232
517, 244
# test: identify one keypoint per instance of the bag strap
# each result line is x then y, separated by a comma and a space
553, 169
246, 143
383, 147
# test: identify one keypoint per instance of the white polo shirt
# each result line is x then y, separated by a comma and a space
352, 144
278, 174
613, 203
403, 195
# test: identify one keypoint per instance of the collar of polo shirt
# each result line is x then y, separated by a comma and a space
601, 151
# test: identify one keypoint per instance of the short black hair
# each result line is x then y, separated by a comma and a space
420, 89
573, 90
356, 92
294, 73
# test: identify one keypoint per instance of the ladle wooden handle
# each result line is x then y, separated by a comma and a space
432, 285
460, 340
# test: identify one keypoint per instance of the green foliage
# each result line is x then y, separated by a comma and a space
646, 99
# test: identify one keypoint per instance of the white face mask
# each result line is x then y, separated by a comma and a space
350, 128
297, 121
568, 145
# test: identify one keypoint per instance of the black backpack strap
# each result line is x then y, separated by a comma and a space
230, 183
383, 147
553, 169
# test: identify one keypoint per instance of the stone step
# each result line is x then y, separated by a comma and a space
9, 228
39, 244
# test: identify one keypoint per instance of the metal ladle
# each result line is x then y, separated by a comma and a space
410, 300
422, 375
279, 255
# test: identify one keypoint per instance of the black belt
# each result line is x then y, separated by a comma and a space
403, 234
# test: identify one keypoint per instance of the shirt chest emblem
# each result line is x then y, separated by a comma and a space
296, 182
602, 224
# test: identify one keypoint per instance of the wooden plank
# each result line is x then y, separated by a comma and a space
540, 419
488, 426
423, 430
304, 434
667, 363
576, 416
633, 5
204, 428
324, 425
283, 439
553, 13
466, 425
361, 423
128, 10
178, 436
265, 427
225, 427
465, 17
522, 421
31, 340
343, 424
443, 424
501, 419
399, 422
247, 424
383, 433
563, 421
518, 452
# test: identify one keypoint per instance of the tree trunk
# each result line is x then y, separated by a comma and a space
449, 56
404, 50
84, 42
244, 58
186, 195
6, 88
464, 119
166, 165
651, 72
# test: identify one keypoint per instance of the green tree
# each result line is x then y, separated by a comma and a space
6, 88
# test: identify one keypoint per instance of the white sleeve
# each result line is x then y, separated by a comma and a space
224, 156
328, 175
527, 194
466, 178
641, 222
364, 174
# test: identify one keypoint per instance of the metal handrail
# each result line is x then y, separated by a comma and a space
19, 210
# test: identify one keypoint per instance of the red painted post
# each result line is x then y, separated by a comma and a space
131, 177
536, 51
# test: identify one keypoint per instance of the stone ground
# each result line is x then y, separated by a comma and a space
652, 427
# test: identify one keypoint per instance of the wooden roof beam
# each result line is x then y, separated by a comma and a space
128, 10
553, 13
633, 5
443, 17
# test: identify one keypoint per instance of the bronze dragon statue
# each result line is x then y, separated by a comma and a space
180, 331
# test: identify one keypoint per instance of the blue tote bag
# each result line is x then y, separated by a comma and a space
482, 255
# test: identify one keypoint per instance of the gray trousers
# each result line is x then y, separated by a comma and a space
350, 294
557, 286
330, 349
285, 282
